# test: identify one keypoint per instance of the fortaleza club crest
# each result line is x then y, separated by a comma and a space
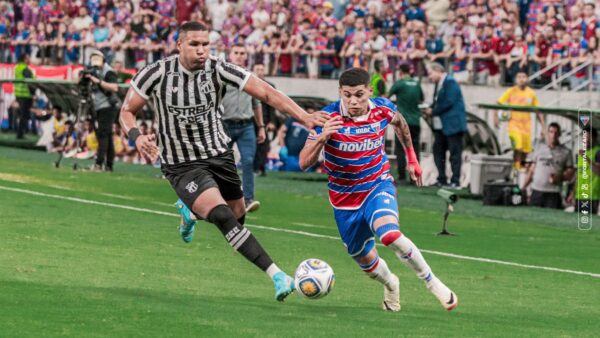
191, 187
584, 120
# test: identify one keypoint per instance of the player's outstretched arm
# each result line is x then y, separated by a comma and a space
146, 144
315, 143
261, 90
403, 133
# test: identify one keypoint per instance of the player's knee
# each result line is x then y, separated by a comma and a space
222, 216
388, 233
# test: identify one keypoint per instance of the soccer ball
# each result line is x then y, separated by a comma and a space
314, 278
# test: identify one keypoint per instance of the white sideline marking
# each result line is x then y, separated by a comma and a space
311, 225
304, 233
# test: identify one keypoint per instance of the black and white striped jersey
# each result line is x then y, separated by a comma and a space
188, 106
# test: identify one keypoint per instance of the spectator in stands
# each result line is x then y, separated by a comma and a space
519, 125
552, 163
578, 54
409, 95
502, 47
543, 41
292, 135
434, 44
449, 124
587, 185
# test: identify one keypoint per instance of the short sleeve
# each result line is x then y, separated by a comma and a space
233, 75
534, 100
504, 98
146, 79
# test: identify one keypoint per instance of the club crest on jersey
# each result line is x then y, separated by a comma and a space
361, 146
207, 87
191, 187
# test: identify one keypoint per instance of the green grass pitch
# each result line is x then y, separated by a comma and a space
71, 268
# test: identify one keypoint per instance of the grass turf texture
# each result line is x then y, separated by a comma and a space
73, 269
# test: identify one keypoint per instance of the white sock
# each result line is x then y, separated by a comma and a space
411, 256
272, 270
382, 273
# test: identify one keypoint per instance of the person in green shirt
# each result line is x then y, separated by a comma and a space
409, 95
23, 94
587, 186
377, 80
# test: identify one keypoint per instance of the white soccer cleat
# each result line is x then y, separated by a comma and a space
391, 296
447, 297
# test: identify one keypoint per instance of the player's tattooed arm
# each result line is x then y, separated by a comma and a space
402, 130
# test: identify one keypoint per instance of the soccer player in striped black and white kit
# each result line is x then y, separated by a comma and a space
186, 91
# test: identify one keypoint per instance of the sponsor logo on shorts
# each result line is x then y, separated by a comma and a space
191, 187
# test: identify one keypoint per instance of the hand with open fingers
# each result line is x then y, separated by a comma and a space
416, 174
146, 144
331, 127
317, 119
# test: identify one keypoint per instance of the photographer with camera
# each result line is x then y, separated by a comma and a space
98, 84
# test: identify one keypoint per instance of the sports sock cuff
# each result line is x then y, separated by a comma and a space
388, 233
370, 266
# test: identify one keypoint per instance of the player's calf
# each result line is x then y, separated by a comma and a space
410, 255
244, 242
376, 268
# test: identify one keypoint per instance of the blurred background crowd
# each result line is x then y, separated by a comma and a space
479, 41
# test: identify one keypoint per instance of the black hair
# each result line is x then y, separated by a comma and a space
258, 63
354, 77
22, 57
191, 26
404, 68
554, 125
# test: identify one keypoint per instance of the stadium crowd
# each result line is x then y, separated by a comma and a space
483, 41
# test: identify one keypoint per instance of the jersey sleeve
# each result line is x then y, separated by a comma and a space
231, 74
504, 98
146, 79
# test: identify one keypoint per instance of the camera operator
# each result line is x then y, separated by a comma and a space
103, 91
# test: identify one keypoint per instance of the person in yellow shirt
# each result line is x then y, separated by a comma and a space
519, 125
120, 142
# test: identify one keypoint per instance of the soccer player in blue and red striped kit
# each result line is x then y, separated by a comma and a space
361, 189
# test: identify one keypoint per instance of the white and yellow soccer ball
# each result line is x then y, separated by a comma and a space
314, 278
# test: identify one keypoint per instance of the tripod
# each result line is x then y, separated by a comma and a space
83, 108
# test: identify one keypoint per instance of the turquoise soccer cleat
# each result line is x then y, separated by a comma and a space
284, 285
186, 229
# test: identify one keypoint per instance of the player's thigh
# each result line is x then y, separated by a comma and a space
381, 204
355, 232
191, 184
207, 201
223, 170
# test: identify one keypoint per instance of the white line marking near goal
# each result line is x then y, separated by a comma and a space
304, 233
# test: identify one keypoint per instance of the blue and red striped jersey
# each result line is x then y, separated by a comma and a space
355, 158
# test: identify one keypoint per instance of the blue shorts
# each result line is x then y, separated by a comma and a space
356, 226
